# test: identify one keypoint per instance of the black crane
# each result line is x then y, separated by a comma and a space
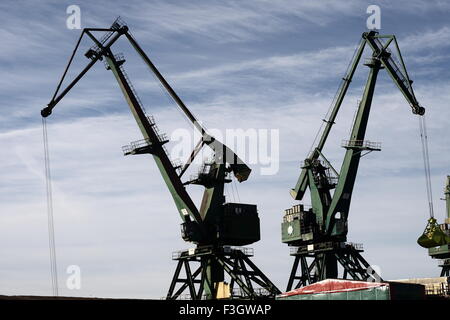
217, 226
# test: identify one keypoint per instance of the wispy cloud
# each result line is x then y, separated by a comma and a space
427, 40
232, 21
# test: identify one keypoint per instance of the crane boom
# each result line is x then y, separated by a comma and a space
347, 175
300, 188
155, 143
398, 74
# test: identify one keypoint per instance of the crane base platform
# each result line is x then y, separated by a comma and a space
246, 280
321, 261
445, 267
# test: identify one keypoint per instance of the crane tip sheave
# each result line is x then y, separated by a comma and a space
46, 112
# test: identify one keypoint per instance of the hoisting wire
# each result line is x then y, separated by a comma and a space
233, 183
227, 194
433, 235
51, 229
232, 192
426, 162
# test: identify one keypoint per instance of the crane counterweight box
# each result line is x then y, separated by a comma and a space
297, 225
239, 225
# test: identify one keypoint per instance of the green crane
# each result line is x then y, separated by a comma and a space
437, 236
447, 197
320, 232
214, 227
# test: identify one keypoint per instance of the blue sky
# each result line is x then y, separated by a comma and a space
236, 64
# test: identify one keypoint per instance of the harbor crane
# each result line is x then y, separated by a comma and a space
218, 228
317, 235
436, 237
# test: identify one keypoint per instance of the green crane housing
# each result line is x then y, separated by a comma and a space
320, 232
214, 227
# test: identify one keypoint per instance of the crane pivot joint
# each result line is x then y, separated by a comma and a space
419, 110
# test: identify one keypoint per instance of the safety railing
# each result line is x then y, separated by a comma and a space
118, 57
177, 254
226, 249
289, 217
369, 61
394, 63
177, 164
117, 24
293, 250
150, 119
246, 251
135, 145
203, 170
309, 162
125, 75
239, 293
357, 246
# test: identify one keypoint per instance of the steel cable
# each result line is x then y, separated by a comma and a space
51, 227
426, 162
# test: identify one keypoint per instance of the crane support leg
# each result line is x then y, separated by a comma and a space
325, 262
208, 279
